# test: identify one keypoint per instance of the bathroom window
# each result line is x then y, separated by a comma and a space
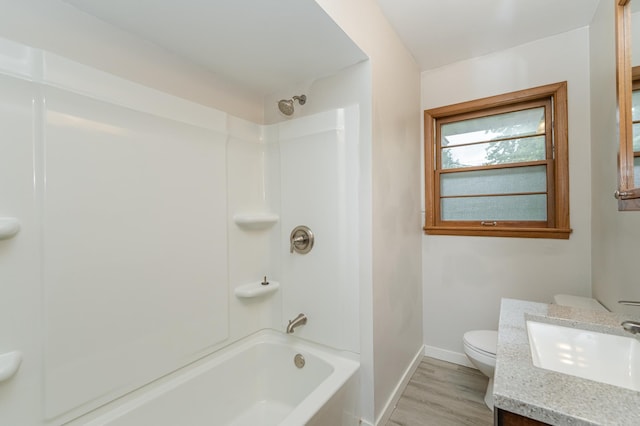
635, 117
499, 166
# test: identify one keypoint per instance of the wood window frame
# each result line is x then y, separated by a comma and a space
630, 199
628, 196
635, 85
557, 225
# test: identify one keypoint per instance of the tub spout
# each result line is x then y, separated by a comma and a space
301, 319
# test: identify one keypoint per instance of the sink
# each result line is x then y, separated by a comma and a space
601, 357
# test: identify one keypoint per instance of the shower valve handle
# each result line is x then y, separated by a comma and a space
297, 241
301, 239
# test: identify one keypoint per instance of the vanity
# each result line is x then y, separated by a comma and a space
525, 394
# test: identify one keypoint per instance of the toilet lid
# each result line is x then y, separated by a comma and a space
485, 340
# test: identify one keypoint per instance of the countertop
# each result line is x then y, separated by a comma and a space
551, 397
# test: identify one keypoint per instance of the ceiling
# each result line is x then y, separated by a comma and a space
440, 32
283, 42
264, 45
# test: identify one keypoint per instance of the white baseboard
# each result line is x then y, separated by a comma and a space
446, 355
397, 393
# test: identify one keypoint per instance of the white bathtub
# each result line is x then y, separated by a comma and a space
253, 382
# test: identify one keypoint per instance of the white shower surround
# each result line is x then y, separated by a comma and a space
319, 169
123, 222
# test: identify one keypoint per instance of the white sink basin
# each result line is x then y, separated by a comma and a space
601, 357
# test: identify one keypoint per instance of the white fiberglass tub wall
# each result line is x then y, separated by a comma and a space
128, 250
319, 168
132, 256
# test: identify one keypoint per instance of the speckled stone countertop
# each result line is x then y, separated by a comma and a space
551, 397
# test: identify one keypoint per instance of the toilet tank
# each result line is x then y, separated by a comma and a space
578, 302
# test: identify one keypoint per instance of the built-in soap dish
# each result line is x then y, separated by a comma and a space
256, 220
9, 226
9, 364
256, 289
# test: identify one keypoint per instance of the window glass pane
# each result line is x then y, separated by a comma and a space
500, 126
485, 154
497, 181
636, 137
635, 105
511, 207
636, 172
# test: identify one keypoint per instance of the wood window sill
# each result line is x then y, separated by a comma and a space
553, 233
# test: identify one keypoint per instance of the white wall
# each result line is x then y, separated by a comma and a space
22, 308
252, 253
465, 277
129, 257
349, 89
615, 234
319, 169
391, 311
60, 28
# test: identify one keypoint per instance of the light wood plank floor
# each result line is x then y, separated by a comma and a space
443, 394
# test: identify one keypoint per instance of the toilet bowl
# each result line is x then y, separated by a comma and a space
481, 346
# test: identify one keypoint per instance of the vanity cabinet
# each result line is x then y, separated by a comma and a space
507, 418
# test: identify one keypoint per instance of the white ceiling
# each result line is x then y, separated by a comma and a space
440, 32
268, 45
265, 45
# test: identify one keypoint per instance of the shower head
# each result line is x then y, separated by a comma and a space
286, 105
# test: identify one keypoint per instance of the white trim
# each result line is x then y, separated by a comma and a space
397, 392
447, 355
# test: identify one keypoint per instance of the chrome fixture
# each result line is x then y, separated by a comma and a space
286, 105
632, 327
264, 281
301, 319
301, 239
629, 302
618, 195
299, 361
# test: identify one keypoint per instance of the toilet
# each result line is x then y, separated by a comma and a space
480, 346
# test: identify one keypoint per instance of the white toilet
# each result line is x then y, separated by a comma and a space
480, 346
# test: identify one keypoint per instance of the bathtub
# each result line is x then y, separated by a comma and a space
252, 382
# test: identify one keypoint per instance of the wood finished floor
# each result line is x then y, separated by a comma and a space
443, 394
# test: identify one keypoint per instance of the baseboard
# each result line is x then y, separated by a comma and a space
397, 393
446, 355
